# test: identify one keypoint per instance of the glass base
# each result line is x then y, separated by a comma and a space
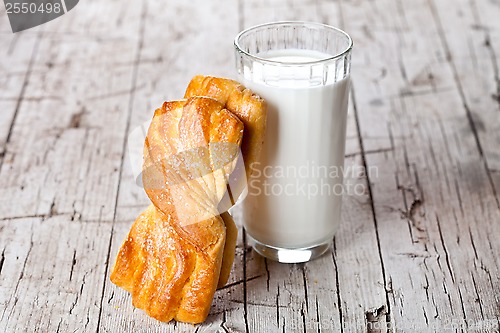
289, 256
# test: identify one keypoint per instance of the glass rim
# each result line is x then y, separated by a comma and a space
281, 63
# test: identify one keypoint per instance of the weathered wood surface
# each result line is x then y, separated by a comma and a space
418, 251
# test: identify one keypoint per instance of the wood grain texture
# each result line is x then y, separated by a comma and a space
65, 147
473, 56
417, 251
51, 273
16, 63
434, 204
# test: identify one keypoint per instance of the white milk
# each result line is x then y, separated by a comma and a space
295, 199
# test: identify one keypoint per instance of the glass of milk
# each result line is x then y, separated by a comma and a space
293, 205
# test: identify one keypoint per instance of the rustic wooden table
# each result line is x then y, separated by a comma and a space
418, 251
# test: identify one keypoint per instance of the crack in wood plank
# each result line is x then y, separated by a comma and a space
21, 275
277, 307
268, 276
303, 316
79, 294
370, 196
59, 325
236, 283
306, 300
20, 97
317, 315
337, 285
478, 299
73, 262
245, 306
223, 323
272, 306
375, 151
44, 217
2, 260
443, 244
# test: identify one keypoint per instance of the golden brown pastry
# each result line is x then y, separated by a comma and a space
171, 260
247, 106
252, 111
191, 149
168, 275
179, 250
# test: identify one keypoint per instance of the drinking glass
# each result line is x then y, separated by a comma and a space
293, 204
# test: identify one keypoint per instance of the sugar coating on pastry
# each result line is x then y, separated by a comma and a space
181, 248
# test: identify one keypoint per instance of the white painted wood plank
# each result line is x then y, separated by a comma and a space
16, 59
66, 145
52, 274
475, 60
433, 200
